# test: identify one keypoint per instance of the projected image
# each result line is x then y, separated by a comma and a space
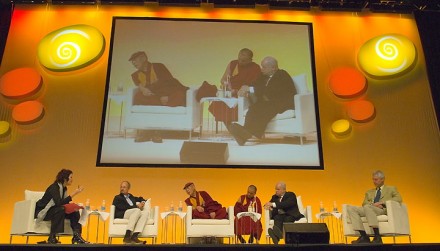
210, 93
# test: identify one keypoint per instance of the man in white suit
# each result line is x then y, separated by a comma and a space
373, 205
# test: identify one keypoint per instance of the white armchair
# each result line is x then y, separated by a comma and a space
118, 227
306, 211
24, 223
395, 223
299, 122
209, 227
180, 118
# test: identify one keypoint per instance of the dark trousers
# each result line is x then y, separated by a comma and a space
258, 116
56, 215
279, 219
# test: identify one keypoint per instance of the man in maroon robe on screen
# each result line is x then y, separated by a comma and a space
246, 225
157, 87
155, 83
204, 207
239, 72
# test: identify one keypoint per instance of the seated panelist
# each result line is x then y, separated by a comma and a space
204, 207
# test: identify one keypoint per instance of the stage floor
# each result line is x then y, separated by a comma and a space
231, 247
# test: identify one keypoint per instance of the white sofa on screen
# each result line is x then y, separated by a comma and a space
118, 227
209, 227
394, 224
180, 118
306, 211
23, 222
299, 122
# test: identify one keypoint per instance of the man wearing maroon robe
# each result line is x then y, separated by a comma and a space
155, 83
239, 72
246, 225
204, 207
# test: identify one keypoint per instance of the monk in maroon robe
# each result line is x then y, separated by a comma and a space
204, 207
239, 72
246, 225
156, 85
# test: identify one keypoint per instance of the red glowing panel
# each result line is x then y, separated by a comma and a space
20, 83
347, 82
361, 111
28, 112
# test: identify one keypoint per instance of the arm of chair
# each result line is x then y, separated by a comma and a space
398, 216
305, 112
231, 215
309, 214
189, 211
23, 217
192, 104
156, 215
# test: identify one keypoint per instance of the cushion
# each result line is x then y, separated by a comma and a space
300, 82
33, 195
125, 221
209, 222
285, 115
206, 90
157, 109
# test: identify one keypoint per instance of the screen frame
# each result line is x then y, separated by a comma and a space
108, 87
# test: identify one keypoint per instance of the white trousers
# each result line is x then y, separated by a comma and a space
137, 219
369, 211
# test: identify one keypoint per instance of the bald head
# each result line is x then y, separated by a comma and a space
269, 66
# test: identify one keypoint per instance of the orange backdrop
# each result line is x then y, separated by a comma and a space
402, 140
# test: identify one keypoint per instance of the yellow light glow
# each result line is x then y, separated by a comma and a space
387, 55
71, 48
4, 128
341, 127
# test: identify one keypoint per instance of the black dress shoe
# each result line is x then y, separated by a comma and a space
52, 240
274, 237
361, 240
377, 240
137, 241
157, 138
142, 138
127, 240
237, 132
78, 239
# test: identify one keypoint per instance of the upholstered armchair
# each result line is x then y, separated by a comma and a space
395, 223
23, 222
299, 122
118, 227
209, 227
180, 118
306, 211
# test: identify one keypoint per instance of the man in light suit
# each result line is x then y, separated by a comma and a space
284, 208
373, 205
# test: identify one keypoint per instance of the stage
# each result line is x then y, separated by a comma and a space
219, 247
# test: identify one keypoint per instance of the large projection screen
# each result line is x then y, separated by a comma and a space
197, 51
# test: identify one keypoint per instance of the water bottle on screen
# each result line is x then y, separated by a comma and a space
321, 207
103, 205
335, 207
88, 204
172, 207
180, 208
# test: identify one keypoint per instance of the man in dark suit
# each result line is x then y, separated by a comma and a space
272, 92
284, 208
135, 209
